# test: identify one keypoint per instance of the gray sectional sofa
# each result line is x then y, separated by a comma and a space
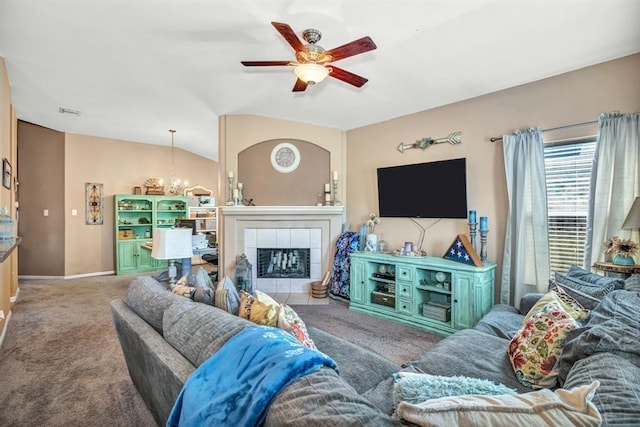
164, 337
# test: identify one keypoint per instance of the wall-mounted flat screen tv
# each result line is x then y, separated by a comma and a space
424, 190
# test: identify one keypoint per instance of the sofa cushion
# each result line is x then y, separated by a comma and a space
197, 330
322, 399
470, 353
613, 327
502, 321
149, 299
593, 278
618, 397
361, 368
538, 408
632, 283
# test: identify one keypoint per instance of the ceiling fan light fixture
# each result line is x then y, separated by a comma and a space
311, 73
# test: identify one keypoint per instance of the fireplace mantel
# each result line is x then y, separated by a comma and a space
240, 223
281, 210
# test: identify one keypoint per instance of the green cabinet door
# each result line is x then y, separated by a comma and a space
126, 258
463, 301
357, 291
145, 262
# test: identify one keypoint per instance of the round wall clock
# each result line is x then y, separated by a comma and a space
285, 157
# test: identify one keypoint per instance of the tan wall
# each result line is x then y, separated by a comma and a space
8, 273
41, 154
268, 187
78, 248
239, 132
575, 97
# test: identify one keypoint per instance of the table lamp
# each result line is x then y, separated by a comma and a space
171, 244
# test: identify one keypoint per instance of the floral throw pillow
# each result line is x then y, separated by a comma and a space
246, 301
289, 321
535, 349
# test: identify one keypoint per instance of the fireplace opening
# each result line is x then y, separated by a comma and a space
283, 263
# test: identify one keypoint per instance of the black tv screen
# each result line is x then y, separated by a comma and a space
424, 190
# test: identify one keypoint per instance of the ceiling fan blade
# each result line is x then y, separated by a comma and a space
347, 76
300, 86
364, 44
264, 63
287, 32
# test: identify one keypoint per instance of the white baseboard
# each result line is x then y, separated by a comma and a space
74, 276
4, 328
14, 298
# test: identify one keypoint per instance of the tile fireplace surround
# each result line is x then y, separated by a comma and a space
246, 228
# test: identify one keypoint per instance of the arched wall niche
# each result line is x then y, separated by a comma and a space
268, 187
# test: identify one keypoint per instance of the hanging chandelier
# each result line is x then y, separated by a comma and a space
176, 186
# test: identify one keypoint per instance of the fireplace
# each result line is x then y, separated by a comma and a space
247, 229
277, 263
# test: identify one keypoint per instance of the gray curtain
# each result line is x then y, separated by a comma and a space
615, 182
525, 265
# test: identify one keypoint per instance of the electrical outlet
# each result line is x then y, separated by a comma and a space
1, 314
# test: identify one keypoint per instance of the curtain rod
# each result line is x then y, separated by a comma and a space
499, 138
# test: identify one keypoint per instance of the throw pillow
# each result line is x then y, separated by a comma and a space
569, 304
203, 280
632, 283
246, 301
593, 278
415, 388
585, 292
538, 408
264, 310
226, 296
536, 347
289, 321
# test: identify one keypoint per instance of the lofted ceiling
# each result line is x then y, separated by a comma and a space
135, 69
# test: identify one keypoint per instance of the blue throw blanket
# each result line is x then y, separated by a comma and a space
236, 385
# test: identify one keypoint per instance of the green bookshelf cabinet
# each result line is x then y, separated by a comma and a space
431, 293
136, 219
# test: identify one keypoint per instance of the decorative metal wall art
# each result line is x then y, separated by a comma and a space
424, 143
93, 197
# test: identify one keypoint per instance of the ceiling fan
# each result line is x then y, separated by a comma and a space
311, 64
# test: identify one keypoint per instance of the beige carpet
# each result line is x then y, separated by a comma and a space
61, 363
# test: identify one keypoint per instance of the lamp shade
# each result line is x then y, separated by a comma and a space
633, 217
311, 73
172, 243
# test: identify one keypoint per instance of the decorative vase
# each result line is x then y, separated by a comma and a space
623, 260
371, 242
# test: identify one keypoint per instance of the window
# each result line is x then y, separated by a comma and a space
568, 170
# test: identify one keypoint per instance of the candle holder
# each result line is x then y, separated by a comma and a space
327, 198
473, 226
230, 201
240, 196
336, 202
483, 247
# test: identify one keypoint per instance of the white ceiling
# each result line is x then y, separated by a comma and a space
136, 68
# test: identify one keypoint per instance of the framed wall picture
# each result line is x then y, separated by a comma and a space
6, 174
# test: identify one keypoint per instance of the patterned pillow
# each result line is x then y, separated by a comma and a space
289, 321
264, 310
536, 347
226, 297
593, 278
246, 301
568, 303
